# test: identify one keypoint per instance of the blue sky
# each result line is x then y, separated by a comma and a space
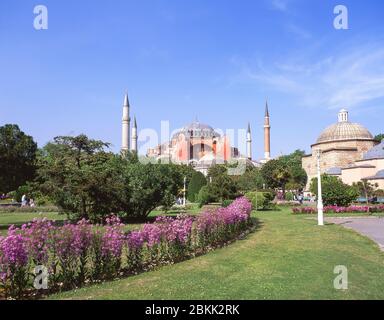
215, 59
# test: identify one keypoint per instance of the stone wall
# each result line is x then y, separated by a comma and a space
335, 154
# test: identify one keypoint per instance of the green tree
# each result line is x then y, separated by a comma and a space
261, 200
366, 189
379, 137
197, 181
17, 158
250, 180
334, 191
298, 176
221, 186
80, 176
276, 174
86, 181
152, 185
204, 196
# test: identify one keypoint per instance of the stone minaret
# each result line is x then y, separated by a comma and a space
125, 126
249, 142
134, 136
267, 134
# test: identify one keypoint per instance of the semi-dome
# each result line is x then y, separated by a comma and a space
344, 130
198, 129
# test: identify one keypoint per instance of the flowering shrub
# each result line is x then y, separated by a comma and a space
337, 209
78, 253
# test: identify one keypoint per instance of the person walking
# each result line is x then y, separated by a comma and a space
24, 200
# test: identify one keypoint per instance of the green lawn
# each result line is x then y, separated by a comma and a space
16, 218
9, 218
288, 257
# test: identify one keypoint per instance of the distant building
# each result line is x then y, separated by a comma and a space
349, 151
196, 144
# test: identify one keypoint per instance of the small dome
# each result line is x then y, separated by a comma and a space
344, 130
377, 152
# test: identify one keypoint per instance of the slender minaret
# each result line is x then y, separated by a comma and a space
125, 126
267, 134
134, 136
249, 142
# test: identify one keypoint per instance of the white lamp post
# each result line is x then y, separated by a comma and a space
320, 216
184, 190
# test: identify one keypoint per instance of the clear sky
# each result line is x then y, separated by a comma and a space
215, 59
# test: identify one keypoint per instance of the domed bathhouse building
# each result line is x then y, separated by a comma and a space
349, 151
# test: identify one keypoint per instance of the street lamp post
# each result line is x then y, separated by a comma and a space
184, 190
320, 215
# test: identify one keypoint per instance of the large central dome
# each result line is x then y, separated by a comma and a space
344, 130
197, 129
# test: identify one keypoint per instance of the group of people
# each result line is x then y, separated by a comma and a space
27, 202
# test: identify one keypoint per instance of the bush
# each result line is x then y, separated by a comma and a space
198, 180
289, 196
260, 200
204, 196
335, 192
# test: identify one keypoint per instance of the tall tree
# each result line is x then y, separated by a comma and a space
276, 174
220, 185
250, 180
198, 180
366, 189
298, 176
73, 171
17, 158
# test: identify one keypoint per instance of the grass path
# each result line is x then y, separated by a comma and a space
288, 257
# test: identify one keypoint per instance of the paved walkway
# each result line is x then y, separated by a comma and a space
372, 227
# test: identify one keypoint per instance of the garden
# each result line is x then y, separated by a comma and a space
101, 216
74, 255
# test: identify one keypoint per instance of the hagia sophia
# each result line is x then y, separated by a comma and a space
348, 150
196, 144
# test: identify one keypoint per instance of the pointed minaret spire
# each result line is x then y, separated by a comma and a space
266, 109
126, 100
249, 142
267, 134
125, 125
134, 136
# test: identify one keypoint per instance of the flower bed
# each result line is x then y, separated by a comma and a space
336, 209
76, 254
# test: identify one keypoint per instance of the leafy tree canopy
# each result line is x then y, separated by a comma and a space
17, 158
334, 191
379, 137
